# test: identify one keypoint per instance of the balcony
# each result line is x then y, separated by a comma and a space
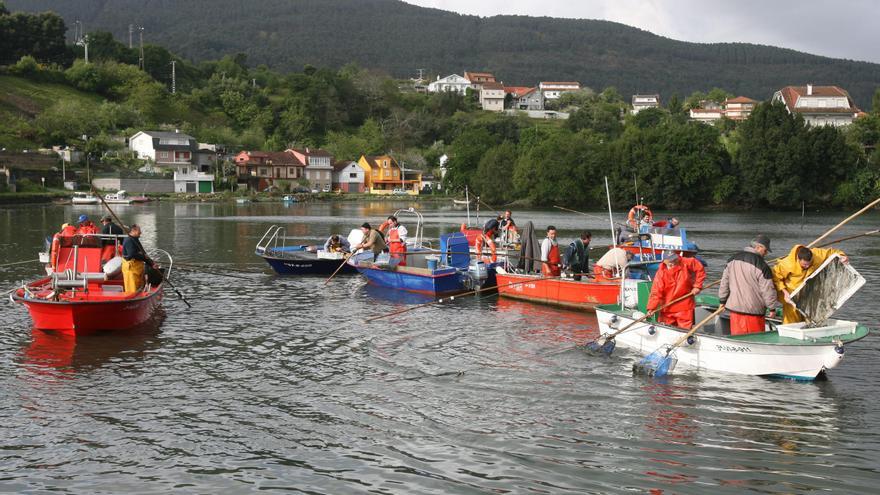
193, 176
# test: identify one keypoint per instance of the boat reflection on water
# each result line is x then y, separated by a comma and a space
68, 354
782, 424
395, 297
549, 324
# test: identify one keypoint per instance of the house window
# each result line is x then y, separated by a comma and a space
387, 173
291, 171
264, 171
353, 175
184, 170
163, 154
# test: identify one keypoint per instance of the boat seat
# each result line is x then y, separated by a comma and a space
722, 324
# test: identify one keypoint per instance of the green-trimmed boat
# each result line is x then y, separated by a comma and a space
799, 353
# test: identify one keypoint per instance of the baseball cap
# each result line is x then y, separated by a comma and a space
764, 241
82, 218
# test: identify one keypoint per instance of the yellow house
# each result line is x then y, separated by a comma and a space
383, 175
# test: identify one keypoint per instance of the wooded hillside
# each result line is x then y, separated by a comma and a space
400, 38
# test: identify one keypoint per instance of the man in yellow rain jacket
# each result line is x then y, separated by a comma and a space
791, 272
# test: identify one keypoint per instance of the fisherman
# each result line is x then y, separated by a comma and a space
611, 264
134, 260
507, 223
487, 237
578, 255
550, 258
669, 223
676, 277
85, 226
791, 271
372, 240
337, 244
396, 239
747, 288
110, 228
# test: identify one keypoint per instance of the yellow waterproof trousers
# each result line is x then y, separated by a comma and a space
132, 275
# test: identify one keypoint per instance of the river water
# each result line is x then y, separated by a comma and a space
278, 384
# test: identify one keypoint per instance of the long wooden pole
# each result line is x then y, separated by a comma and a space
108, 208
344, 261
844, 222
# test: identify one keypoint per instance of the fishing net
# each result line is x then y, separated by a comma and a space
825, 291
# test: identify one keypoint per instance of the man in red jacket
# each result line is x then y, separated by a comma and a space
676, 277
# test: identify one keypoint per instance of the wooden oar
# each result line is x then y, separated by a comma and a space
344, 261
166, 279
659, 362
452, 298
608, 344
845, 221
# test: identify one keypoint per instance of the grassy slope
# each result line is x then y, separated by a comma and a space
21, 100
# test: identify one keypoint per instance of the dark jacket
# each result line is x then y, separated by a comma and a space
112, 229
133, 250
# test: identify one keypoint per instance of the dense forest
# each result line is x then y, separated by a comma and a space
773, 159
399, 38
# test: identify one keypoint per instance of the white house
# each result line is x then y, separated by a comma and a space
739, 108
174, 151
492, 96
453, 83
553, 90
348, 176
819, 105
319, 167
641, 102
706, 115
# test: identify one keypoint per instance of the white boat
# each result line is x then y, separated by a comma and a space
461, 201
120, 198
81, 198
789, 351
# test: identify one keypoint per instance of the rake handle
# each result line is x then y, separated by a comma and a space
694, 329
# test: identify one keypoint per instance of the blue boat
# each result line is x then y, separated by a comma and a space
298, 259
435, 273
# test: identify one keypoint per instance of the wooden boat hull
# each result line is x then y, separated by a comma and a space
306, 265
89, 314
585, 294
764, 354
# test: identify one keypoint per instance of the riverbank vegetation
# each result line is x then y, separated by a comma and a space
772, 160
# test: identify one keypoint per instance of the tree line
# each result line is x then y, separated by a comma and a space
772, 159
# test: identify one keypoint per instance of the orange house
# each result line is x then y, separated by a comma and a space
383, 175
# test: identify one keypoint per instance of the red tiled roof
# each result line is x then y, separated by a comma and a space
557, 83
493, 85
312, 152
518, 90
791, 94
470, 76
740, 99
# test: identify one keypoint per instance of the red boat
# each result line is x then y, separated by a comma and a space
85, 292
569, 293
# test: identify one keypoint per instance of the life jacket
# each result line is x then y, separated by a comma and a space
396, 246
551, 266
86, 228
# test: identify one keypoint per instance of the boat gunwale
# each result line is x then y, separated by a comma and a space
861, 332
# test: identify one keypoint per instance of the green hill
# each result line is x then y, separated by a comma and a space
401, 38
22, 100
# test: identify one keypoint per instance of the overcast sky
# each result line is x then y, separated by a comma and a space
840, 29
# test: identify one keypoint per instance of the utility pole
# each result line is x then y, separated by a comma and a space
173, 77
130, 34
141, 35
